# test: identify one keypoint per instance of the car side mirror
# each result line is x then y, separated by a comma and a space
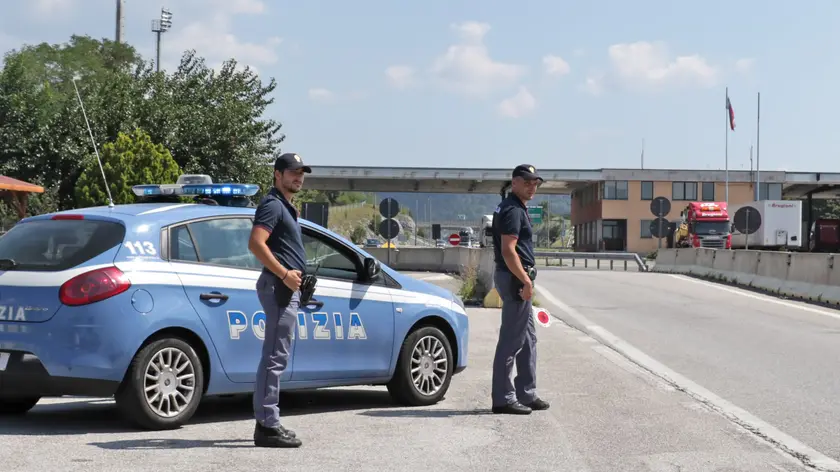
372, 268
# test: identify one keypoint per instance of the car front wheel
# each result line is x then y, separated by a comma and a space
17, 406
424, 368
163, 386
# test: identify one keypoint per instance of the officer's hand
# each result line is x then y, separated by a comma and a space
292, 279
527, 292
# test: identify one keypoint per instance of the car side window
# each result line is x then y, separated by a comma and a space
322, 255
224, 241
181, 245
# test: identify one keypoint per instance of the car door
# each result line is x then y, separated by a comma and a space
219, 275
351, 335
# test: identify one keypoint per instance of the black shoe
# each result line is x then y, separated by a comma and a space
274, 437
538, 404
514, 408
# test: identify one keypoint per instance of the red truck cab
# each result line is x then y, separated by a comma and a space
705, 224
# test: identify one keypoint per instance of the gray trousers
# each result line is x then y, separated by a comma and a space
280, 323
517, 345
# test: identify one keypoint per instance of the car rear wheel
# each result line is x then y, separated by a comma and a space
424, 368
17, 406
163, 386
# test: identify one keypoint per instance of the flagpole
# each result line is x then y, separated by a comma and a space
757, 146
643, 153
726, 148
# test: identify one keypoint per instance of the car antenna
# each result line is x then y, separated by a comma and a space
93, 141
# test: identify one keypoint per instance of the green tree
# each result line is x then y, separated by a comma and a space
131, 160
43, 136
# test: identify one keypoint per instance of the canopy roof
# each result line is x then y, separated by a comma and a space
15, 185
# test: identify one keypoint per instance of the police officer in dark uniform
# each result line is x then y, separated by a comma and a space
514, 278
276, 241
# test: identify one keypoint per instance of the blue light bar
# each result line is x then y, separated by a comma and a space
210, 190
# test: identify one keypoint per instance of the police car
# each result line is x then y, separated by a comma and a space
155, 303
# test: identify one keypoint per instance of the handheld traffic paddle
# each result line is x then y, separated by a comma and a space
541, 316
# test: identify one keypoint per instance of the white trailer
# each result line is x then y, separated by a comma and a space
781, 225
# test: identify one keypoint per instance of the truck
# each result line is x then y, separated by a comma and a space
704, 224
825, 235
780, 225
486, 235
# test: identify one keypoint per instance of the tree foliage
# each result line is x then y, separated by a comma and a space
210, 121
131, 160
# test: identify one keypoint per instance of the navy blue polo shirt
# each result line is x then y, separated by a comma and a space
280, 218
511, 218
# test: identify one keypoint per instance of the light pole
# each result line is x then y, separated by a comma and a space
159, 27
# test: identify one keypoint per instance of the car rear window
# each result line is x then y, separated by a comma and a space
53, 245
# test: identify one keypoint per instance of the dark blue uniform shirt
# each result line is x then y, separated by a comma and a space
511, 217
280, 218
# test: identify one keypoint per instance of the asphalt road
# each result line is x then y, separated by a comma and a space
606, 415
769, 363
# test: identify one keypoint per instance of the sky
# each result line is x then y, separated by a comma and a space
486, 84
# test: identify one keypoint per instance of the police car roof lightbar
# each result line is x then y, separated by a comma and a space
196, 185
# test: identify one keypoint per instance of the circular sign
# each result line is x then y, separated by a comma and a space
542, 317
389, 229
389, 208
747, 220
655, 226
454, 239
660, 206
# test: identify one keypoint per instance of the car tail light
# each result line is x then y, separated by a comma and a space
93, 286
68, 217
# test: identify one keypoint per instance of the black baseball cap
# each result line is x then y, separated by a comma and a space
291, 161
527, 172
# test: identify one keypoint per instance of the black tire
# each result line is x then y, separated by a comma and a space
131, 396
17, 406
402, 387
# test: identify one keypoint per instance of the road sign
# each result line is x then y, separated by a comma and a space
436, 231
747, 220
660, 206
389, 228
389, 208
454, 239
659, 228
536, 214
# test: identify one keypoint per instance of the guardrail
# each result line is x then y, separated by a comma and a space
612, 257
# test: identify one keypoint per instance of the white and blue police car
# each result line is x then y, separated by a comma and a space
155, 303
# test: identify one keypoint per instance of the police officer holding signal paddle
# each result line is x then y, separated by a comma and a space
514, 279
276, 240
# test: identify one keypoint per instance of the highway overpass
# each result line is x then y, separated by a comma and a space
558, 181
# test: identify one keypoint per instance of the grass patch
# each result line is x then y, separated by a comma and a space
469, 283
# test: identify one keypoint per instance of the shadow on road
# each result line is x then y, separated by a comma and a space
141, 444
419, 413
87, 416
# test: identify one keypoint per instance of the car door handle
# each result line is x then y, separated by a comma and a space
315, 303
213, 296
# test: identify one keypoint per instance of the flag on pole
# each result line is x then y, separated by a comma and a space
731, 114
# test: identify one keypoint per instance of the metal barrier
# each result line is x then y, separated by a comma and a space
612, 257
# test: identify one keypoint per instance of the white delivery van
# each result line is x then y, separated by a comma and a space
780, 226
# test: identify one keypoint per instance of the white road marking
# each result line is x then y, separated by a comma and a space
745, 419
764, 298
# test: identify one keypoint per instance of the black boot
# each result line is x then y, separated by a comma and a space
275, 437
514, 408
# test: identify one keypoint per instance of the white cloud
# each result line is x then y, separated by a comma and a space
518, 105
644, 63
321, 95
555, 65
594, 85
400, 76
745, 65
466, 67
213, 39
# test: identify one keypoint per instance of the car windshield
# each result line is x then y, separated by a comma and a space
711, 227
53, 245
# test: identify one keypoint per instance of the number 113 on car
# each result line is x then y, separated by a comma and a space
141, 248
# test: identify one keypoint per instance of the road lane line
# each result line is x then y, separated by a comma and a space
743, 418
765, 298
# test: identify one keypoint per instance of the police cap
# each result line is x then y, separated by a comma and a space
527, 172
291, 161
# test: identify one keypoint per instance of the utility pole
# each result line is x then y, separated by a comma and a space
120, 20
159, 27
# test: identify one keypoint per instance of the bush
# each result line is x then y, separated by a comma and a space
469, 283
